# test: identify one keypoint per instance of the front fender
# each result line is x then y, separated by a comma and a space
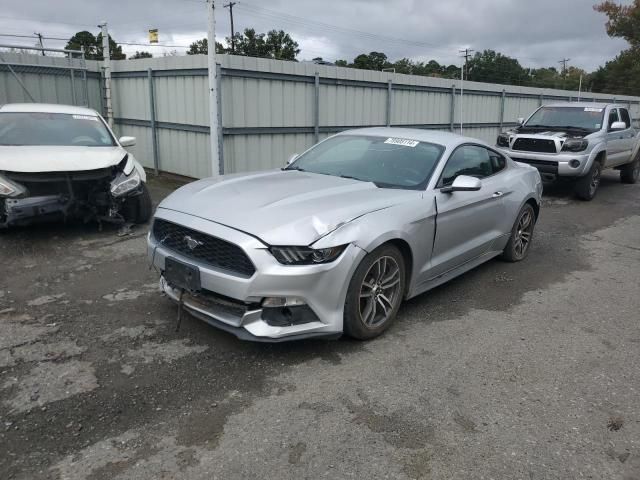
597, 150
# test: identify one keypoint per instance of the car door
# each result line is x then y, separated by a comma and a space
469, 222
628, 140
615, 140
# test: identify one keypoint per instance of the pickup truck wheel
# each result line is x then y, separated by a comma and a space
521, 235
375, 293
587, 186
630, 172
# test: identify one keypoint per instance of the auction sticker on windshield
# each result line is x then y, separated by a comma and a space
402, 141
85, 117
592, 109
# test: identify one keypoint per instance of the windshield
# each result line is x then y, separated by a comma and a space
587, 118
388, 162
32, 128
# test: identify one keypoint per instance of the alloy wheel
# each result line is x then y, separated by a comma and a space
524, 231
380, 292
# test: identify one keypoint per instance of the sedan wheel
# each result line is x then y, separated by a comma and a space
521, 235
375, 293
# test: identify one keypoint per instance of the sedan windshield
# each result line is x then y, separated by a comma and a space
586, 118
56, 129
388, 162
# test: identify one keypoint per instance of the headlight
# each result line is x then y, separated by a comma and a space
125, 183
503, 140
9, 188
306, 255
575, 145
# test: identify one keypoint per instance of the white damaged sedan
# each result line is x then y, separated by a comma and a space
59, 162
337, 240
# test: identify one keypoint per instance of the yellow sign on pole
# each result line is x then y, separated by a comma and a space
153, 35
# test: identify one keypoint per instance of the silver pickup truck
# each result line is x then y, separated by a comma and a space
576, 140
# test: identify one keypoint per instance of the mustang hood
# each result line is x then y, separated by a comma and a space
283, 208
32, 159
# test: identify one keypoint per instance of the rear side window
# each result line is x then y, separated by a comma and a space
498, 162
624, 117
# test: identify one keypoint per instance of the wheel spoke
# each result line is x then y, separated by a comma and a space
369, 312
390, 280
385, 303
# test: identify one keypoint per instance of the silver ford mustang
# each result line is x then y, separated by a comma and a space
335, 241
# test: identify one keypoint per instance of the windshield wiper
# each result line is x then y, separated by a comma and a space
353, 178
294, 168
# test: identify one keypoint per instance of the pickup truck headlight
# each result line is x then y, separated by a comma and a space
9, 188
306, 255
575, 145
503, 140
123, 184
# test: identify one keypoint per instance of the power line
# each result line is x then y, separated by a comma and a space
233, 40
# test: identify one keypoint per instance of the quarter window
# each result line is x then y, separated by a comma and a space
472, 160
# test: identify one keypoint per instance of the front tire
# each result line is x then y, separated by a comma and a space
630, 172
138, 209
375, 293
587, 186
519, 242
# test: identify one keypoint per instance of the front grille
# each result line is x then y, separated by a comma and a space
534, 145
210, 250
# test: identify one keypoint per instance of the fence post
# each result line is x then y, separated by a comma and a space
220, 138
152, 116
85, 88
73, 85
452, 113
389, 93
502, 102
316, 108
541, 99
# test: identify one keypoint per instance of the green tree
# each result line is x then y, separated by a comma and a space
372, 61
201, 47
493, 67
140, 55
93, 46
341, 63
275, 44
624, 20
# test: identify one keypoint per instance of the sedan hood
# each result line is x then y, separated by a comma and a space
283, 208
32, 159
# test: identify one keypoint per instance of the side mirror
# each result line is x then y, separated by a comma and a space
617, 126
127, 141
463, 183
520, 120
292, 158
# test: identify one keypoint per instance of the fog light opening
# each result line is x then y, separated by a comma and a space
276, 302
574, 163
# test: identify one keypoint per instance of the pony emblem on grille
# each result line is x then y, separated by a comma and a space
192, 243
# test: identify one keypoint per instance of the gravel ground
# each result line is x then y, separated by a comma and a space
527, 371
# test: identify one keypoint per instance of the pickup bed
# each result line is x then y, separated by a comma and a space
576, 140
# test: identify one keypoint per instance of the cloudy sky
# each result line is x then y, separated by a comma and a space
538, 33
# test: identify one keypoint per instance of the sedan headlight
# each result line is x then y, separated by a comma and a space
503, 140
306, 255
575, 145
9, 188
123, 184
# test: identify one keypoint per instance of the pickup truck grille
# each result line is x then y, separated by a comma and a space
534, 145
210, 250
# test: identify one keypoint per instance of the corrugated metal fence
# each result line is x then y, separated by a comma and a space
271, 109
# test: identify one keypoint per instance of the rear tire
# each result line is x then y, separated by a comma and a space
375, 293
587, 186
521, 237
138, 209
630, 172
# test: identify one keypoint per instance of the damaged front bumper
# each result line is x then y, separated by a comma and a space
49, 196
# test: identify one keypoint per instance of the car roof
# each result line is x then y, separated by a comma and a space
46, 108
583, 104
446, 139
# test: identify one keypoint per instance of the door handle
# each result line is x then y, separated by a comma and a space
497, 194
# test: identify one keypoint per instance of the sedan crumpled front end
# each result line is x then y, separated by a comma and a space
100, 194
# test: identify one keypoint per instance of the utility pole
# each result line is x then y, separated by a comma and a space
233, 40
106, 55
213, 89
564, 70
466, 53
40, 42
